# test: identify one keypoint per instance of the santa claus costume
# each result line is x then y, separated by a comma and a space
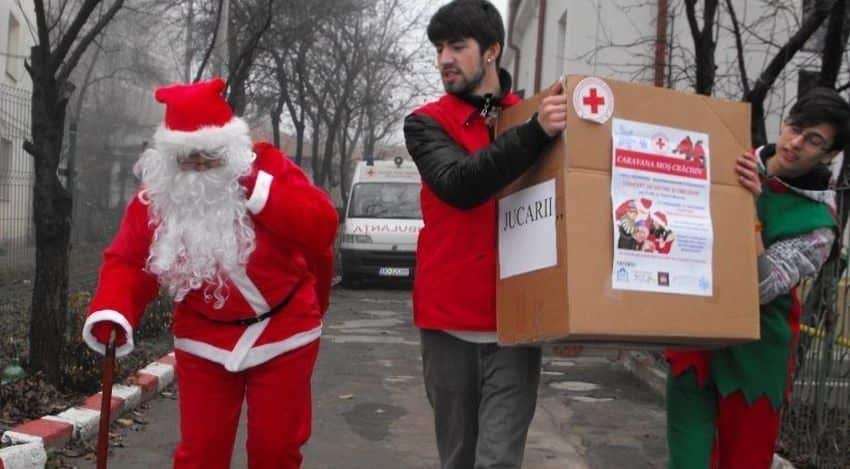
242, 240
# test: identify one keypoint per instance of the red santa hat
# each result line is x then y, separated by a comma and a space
624, 208
197, 117
660, 219
640, 206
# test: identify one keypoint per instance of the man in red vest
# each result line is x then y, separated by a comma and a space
483, 395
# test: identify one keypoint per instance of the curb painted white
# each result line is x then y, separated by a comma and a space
655, 378
28, 452
26, 456
132, 395
85, 421
163, 371
11, 437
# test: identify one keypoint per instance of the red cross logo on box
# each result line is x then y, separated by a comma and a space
593, 100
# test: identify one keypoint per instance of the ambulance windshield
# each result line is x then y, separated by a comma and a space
385, 200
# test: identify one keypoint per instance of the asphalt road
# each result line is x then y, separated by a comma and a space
370, 410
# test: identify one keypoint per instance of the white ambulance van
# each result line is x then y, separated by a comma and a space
382, 222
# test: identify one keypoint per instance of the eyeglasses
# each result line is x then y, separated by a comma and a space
813, 140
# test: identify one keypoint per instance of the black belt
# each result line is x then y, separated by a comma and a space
269, 313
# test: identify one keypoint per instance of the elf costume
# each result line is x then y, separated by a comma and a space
723, 405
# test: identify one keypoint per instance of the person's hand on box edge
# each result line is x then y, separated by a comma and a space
552, 113
748, 173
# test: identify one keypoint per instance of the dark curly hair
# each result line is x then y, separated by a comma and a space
462, 19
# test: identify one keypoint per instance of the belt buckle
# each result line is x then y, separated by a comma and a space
248, 321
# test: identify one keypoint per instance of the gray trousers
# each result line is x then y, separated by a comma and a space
483, 397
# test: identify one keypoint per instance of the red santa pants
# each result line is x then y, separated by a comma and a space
279, 410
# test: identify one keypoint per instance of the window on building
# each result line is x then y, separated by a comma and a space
5, 168
13, 48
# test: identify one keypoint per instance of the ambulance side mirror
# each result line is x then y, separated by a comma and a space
340, 211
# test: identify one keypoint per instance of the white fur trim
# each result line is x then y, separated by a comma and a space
111, 316
255, 356
249, 291
260, 195
236, 358
233, 136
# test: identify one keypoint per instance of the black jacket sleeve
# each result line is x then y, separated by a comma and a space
465, 181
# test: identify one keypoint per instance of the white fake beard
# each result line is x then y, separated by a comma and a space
203, 230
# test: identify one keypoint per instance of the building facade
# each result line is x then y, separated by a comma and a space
622, 40
16, 166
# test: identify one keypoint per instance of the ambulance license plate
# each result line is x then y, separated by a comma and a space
394, 271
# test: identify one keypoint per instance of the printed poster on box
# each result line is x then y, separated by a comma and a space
660, 187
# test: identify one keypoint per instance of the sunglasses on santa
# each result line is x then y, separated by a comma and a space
200, 160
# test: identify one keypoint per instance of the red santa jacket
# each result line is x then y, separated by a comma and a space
295, 224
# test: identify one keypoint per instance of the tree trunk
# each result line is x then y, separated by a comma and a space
758, 129
275, 118
327, 158
52, 215
189, 53
299, 142
236, 97
834, 44
704, 44
314, 163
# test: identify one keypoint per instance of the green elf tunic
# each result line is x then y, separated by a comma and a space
759, 368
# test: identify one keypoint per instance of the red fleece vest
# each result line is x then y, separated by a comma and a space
455, 283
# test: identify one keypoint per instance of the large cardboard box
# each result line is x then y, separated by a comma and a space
573, 300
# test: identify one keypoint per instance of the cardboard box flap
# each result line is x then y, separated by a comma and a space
726, 123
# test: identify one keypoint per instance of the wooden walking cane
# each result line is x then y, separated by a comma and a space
106, 402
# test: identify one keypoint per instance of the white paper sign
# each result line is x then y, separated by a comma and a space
527, 238
660, 187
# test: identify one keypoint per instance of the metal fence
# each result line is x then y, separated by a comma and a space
816, 422
16, 179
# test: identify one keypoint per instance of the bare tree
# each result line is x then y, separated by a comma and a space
835, 43
758, 91
109, 120
61, 45
704, 43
